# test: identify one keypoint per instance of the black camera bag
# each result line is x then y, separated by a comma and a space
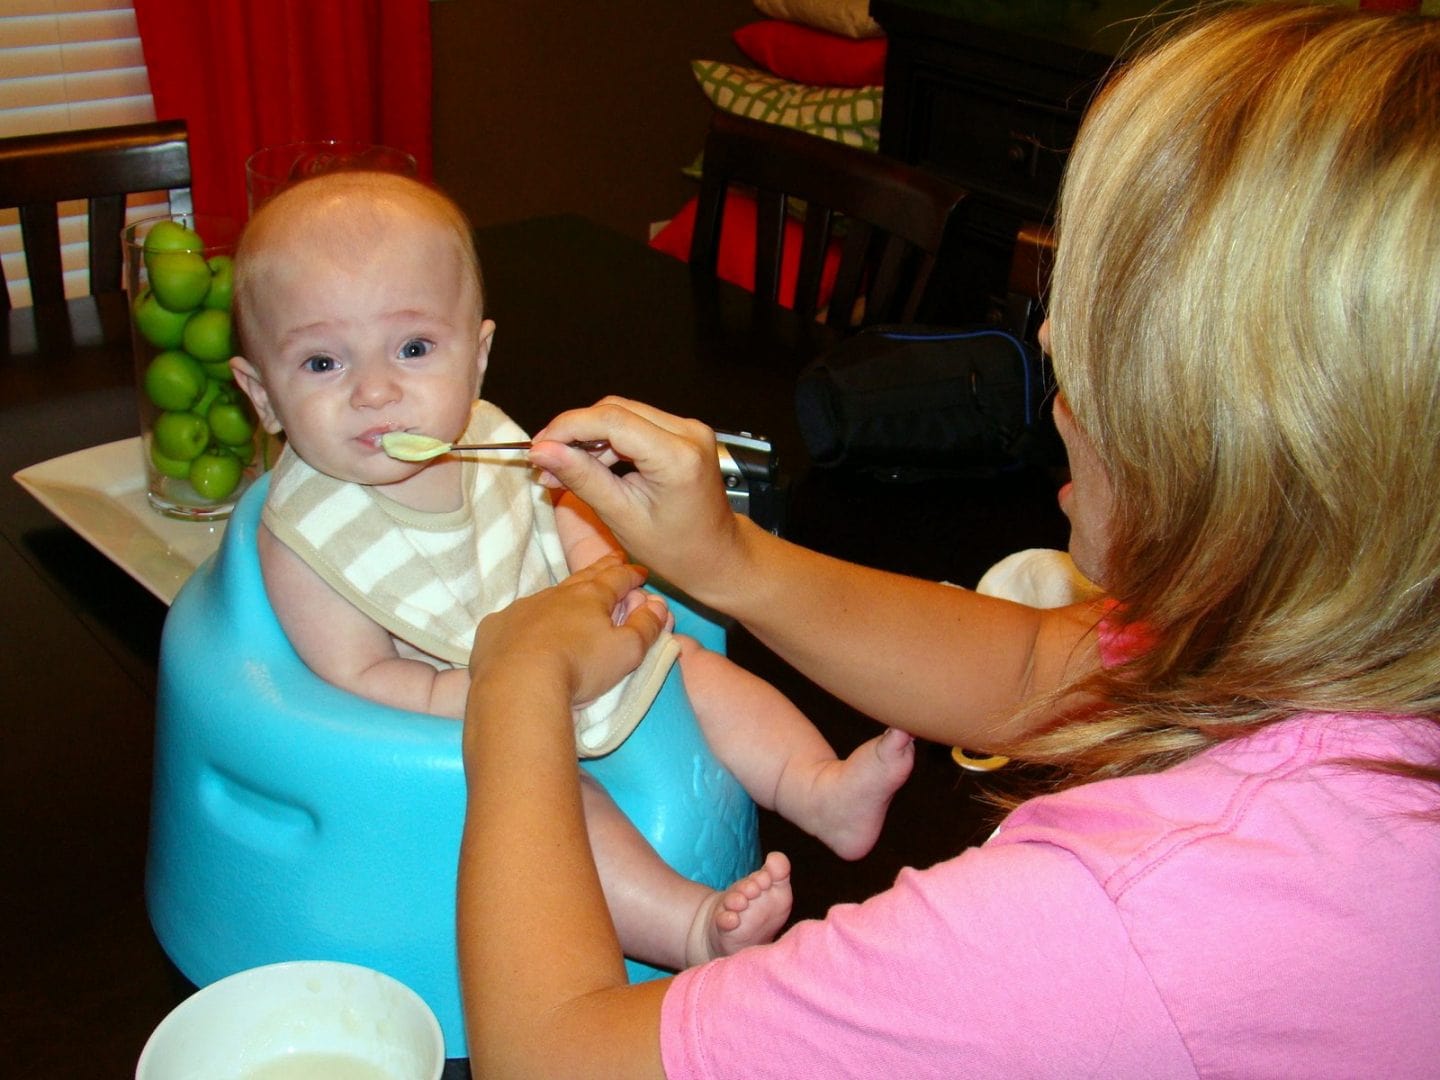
909, 402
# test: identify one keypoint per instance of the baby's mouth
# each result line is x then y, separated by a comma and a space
372, 437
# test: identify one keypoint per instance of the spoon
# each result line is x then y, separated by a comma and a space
406, 446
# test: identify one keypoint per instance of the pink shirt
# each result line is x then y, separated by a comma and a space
1254, 911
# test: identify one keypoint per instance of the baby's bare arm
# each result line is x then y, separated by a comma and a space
582, 535
345, 647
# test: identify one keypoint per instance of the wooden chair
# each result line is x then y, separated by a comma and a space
895, 217
101, 165
1029, 281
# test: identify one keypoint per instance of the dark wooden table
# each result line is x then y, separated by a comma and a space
581, 312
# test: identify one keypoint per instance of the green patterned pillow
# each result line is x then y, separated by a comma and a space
845, 114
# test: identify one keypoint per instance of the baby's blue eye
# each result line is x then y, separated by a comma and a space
320, 364
416, 348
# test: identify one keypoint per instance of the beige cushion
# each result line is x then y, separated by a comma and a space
848, 17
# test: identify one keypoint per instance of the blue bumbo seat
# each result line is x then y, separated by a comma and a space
291, 820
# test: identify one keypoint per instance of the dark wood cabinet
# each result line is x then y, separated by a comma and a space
990, 93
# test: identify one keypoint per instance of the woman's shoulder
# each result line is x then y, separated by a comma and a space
1277, 783
1274, 869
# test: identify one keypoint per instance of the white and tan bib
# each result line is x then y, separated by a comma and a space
429, 578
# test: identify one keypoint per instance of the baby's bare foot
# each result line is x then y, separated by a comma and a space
750, 912
847, 800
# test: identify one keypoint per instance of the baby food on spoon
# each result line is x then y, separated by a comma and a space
407, 446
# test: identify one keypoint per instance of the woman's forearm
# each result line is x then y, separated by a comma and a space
940, 662
543, 977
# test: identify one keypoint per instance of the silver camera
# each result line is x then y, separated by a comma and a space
750, 469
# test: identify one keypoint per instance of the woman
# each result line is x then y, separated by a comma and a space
1241, 873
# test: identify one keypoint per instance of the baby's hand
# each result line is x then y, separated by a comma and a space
637, 598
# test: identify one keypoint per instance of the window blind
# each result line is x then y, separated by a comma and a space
67, 65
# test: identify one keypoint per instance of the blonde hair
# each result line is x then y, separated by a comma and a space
1246, 324
344, 209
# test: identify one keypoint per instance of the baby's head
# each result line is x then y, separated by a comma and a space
1244, 322
360, 310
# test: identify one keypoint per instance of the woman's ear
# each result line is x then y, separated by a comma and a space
249, 380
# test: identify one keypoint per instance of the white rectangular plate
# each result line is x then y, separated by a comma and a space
100, 493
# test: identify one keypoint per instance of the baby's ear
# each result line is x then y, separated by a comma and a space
247, 377
482, 349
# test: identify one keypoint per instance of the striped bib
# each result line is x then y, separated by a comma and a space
429, 578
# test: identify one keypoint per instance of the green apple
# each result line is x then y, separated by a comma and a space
215, 474
171, 236
214, 391
208, 337
180, 436
179, 279
230, 424
174, 380
178, 470
245, 453
222, 282
159, 326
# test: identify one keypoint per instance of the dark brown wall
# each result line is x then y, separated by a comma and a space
573, 105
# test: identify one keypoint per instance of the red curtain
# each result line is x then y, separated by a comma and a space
251, 73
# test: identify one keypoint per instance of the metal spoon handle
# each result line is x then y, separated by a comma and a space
582, 444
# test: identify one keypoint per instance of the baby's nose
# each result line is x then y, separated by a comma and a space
375, 389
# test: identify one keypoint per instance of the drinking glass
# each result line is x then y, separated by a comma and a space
273, 168
201, 440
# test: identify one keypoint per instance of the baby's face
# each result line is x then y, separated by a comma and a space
349, 340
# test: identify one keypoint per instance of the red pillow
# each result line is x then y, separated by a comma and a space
803, 54
736, 263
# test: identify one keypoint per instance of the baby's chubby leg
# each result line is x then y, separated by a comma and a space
665, 919
784, 762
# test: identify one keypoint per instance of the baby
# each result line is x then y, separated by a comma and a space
360, 309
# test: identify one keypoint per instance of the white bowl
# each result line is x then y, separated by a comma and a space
295, 1021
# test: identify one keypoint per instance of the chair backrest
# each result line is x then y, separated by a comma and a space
894, 216
102, 165
1029, 282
